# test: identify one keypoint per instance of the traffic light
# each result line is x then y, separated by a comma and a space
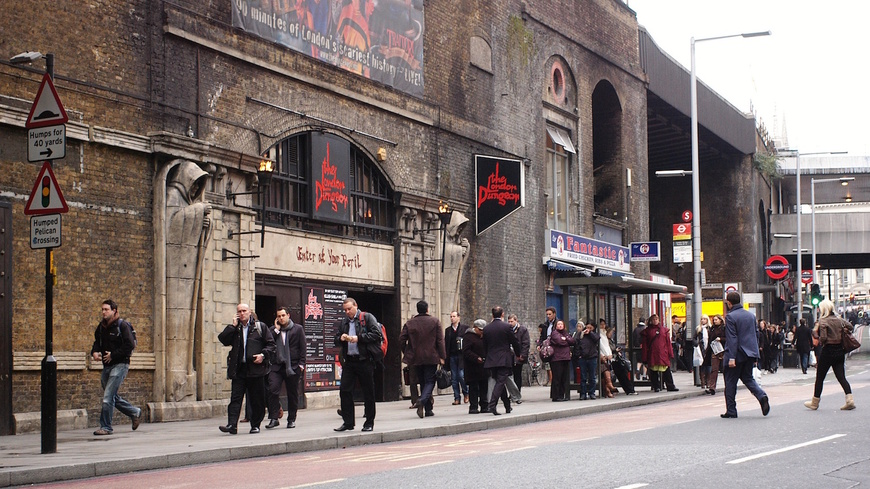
816, 296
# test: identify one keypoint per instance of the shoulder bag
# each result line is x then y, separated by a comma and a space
850, 343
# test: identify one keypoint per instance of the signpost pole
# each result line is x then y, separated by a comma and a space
49, 363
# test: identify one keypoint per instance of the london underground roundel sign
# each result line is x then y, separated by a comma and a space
776, 267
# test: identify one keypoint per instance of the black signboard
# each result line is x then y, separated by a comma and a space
500, 189
321, 315
330, 172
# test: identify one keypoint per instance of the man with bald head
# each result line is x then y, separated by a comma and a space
247, 366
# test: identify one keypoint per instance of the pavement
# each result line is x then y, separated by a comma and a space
80, 454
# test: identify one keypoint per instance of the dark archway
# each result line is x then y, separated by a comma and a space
609, 198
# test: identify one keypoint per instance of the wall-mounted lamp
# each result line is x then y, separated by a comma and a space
445, 214
264, 179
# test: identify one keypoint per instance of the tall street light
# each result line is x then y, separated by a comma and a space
843, 181
697, 299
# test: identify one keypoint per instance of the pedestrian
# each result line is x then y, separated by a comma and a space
605, 356
113, 345
657, 352
545, 329
741, 354
831, 330
636, 335
476, 377
803, 343
702, 343
289, 365
247, 366
453, 336
498, 338
423, 340
586, 348
562, 343
715, 352
359, 337
521, 356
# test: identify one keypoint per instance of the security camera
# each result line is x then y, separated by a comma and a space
28, 57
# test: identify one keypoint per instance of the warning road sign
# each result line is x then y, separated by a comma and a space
47, 109
50, 200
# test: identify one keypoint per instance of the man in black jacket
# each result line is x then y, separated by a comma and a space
113, 345
453, 335
289, 365
359, 337
500, 343
247, 366
803, 343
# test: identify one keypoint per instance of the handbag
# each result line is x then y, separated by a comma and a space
443, 378
850, 343
546, 350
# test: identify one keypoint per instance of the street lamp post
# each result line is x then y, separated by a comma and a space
697, 298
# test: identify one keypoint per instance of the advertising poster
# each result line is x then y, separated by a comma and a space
381, 40
330, 172
321, 313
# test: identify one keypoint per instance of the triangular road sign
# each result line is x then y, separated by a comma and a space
50, 199
47, 109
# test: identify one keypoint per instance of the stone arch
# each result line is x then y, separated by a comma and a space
480, 53
607, 164
560, 87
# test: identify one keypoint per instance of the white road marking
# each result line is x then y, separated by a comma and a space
427, 465
633, 486
786, 449
515, 450
310, 484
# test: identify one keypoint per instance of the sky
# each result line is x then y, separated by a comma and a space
808, 79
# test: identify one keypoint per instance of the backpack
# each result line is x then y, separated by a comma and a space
378, 353
132, 331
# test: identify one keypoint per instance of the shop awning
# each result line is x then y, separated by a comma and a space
630, 285
562, 266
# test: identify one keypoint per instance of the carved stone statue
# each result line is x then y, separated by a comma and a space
187, 235
455, 255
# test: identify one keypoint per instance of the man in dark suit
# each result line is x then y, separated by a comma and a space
803, 343
423, 340
741, 354
359, 337
247, 366
499, 338
290, 350
453, 336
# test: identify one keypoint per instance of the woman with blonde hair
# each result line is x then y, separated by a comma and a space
831, 330
702, 341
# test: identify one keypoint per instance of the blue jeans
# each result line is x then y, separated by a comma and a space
426, 376
458, 377
742, 372
805, 361
589, 375
111, 379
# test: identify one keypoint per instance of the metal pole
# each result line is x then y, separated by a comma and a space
800, 271
49, 363
813, 224
696, 203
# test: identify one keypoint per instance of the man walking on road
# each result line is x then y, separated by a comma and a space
741, 354
247, 366
498, 338
113, 345
423, 340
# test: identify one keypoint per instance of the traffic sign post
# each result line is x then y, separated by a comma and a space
45, 231
46, 143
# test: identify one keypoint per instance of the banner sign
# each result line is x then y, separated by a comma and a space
382, 41
577, 249
500, 189
330, 172
646, 251
321, 316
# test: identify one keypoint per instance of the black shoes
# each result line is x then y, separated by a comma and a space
273, 423
473, 411
420, 409
290, 424
228, 429
673, 389
495, 412
344, 427
429, 414
765, 405
726, 415
137, 419
254, 430
368, 427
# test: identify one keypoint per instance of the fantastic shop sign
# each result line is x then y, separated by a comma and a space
500, 189
585, 251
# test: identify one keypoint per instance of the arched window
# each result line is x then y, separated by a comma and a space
323, 183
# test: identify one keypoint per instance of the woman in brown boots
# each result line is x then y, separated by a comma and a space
605, 351
830, 334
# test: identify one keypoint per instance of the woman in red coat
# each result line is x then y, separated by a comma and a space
656, 353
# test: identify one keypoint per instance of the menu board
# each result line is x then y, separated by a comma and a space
321, 317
